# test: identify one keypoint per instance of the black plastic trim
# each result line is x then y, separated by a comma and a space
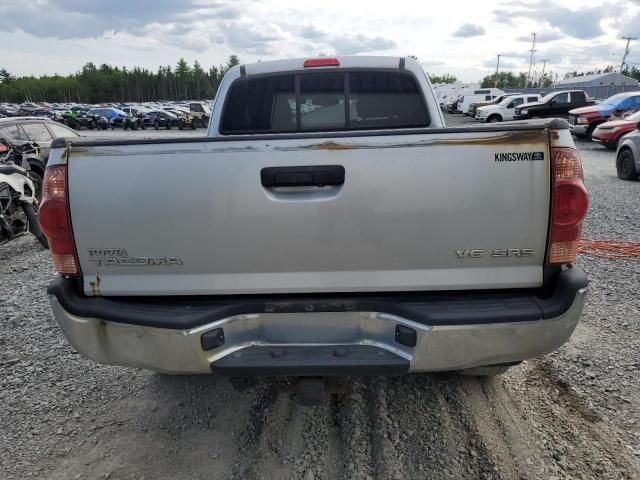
310, 360
428, 308
302, 176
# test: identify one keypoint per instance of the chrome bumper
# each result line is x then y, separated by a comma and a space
438, 347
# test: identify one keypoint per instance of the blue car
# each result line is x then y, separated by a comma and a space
585, 120
117, 118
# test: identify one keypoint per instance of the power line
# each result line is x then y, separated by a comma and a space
628, 38
533, 50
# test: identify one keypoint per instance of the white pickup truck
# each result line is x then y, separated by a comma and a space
329, 224
504, 111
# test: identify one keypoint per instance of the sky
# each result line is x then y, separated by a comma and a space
461, 37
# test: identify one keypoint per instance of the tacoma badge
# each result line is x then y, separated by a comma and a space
106, 257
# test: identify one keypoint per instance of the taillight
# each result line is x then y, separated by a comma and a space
321, 62
55, 223
568, 208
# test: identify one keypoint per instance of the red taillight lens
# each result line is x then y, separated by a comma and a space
55, 223
569, 206
569, 203
321, 62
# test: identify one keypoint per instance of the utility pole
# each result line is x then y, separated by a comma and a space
628, 38
495, 82
544, 64
533, 51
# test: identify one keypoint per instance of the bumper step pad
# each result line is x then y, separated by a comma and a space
310, 360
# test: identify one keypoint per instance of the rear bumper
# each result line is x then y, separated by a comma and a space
297, 337
579, 129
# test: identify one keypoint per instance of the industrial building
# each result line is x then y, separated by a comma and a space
597, 80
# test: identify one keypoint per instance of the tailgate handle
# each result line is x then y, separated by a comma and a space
314, 176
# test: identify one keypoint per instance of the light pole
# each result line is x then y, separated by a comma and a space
544, 64
628, 38
533, 51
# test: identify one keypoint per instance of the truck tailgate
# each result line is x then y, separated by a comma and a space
435, 210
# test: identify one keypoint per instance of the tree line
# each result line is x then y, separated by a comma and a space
506, 79
106, 83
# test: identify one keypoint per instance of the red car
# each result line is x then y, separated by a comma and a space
610, 132
585, 120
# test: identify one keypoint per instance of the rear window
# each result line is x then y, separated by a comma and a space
355, 100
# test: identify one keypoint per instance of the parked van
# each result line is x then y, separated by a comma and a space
480, 95
504, 110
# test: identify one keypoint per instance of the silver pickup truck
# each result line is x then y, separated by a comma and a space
329, 224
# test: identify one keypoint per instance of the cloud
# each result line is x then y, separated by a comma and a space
504, 64
138, 12
469, 30
432, 63
345, 44
583, 23
258, 38
48, 36
631, 26
311, 32
188, 36
542, 37
87, 19
360, 43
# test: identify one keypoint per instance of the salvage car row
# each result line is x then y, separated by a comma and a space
39, 124
168, 115
613, 122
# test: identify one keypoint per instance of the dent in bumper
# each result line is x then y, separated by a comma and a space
438, 347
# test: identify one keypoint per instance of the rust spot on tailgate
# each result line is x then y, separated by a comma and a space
77, 152
334, 146
513, 138
510, 138
95, 287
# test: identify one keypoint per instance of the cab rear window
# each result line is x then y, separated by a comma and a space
352, 100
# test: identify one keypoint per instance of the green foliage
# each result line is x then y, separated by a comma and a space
507, 79
6, 77
446, 78
504, 79
633, 72
547, 81
105, 83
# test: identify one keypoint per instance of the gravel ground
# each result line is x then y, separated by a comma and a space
574, 414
